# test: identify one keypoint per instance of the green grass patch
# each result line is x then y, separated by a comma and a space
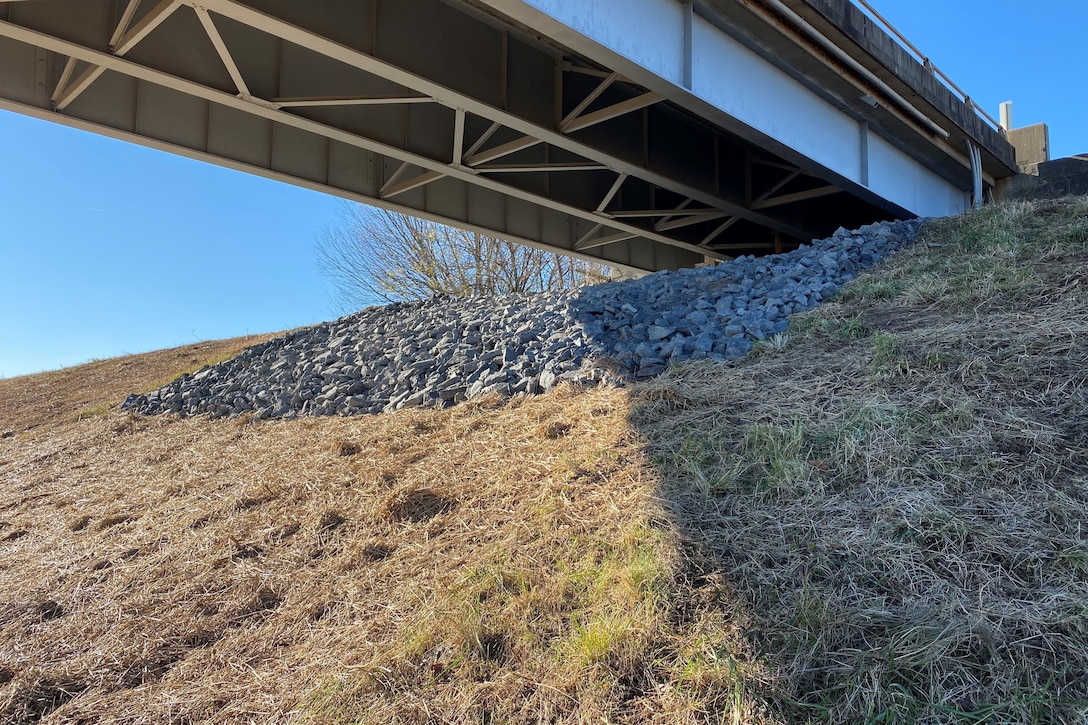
95, 411
871, 288
815, 325
896, 493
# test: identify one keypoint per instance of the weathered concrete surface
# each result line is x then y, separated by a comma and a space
1032, 144
896, 67
1057, 178
830, 78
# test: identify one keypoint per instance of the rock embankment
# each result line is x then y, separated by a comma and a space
443, 351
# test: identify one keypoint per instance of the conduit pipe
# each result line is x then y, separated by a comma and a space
865, 73
976, 175
980, 189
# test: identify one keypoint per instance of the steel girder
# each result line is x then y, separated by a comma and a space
422, 106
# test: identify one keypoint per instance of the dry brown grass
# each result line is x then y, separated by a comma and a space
59, 397
500, 562
876, 518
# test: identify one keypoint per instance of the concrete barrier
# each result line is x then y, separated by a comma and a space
1057, 178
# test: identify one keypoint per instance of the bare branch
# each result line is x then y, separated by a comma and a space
375, 256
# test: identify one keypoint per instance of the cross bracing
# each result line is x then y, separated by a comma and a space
428, 107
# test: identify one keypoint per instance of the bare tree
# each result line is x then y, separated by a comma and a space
375, 255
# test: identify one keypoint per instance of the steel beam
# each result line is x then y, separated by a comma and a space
795, 197
393, 179
221, 48
414, 183
484, 138
459, 137
585, 237
285, 178
266, 111
616, 186
531, 168
512, 147
796, 117
719, 231
123, 23
564, 125
74, 89
448, 97
654, 213
778, 185
690, 220
569, 67
318, 102
773, 164
614, 111
65, 78
683, 205
142, 29
510, 92
605, 241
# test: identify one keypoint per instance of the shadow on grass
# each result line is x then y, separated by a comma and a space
895, 492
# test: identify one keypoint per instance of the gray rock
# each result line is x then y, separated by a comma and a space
657, 332
442, 351
697, 318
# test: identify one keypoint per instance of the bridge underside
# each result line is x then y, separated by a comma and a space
446, 110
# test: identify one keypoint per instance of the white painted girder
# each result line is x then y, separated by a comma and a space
660, 45
510, 147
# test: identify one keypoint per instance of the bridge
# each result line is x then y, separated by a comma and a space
649, 134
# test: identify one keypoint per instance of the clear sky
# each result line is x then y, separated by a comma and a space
109, 248
1031, 53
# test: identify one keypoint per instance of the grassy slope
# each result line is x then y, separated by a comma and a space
876, 517
59, 397
897, 490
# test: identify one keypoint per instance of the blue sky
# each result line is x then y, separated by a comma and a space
1032, 53
109, 248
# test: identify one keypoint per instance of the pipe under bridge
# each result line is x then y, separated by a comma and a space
649, 134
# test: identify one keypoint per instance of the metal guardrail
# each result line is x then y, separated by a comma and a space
921, 57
